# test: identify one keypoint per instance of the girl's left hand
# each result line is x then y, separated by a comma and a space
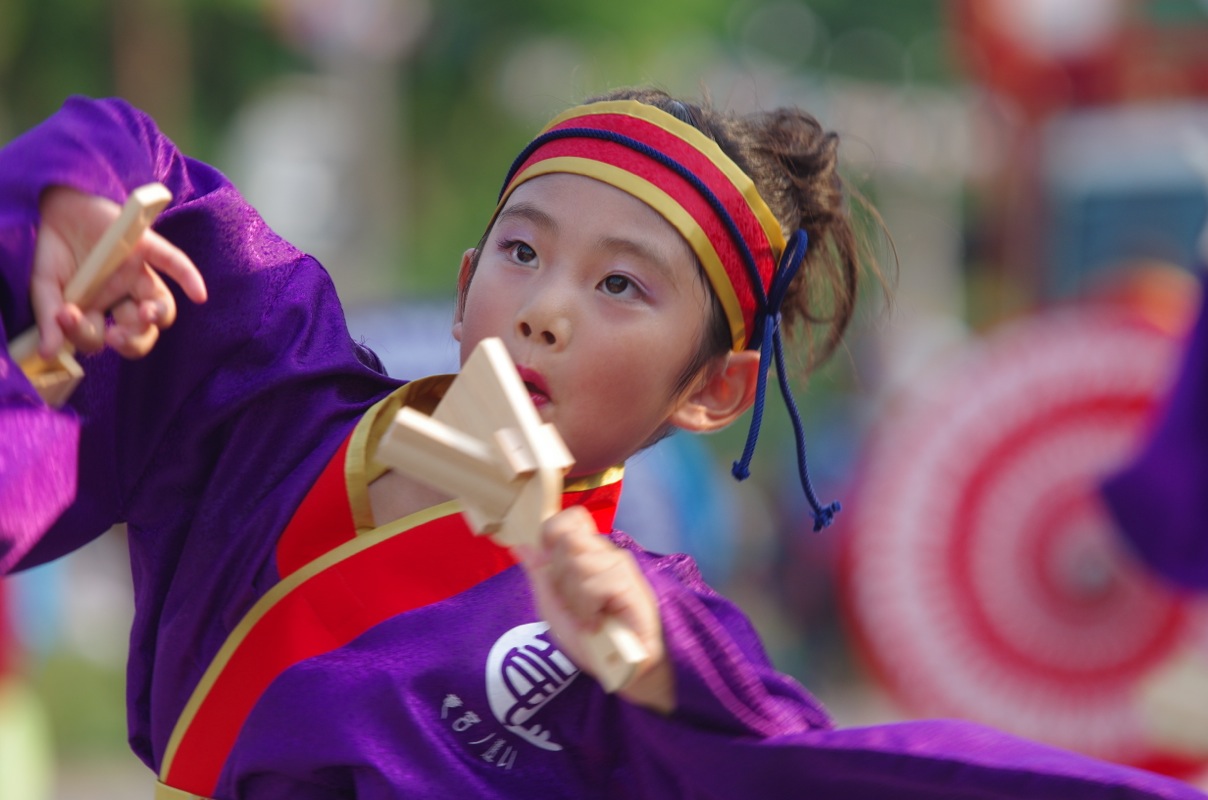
141, 304
580, 578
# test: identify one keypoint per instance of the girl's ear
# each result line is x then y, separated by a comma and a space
726, 392
463, 286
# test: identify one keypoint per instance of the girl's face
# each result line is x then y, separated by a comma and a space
600, 304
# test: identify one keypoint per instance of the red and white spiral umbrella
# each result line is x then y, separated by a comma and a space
981, 572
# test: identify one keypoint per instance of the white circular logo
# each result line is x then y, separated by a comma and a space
525, 670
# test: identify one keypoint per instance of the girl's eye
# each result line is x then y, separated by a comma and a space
524, 253
617, 284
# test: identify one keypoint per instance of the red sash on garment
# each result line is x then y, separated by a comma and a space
335, 586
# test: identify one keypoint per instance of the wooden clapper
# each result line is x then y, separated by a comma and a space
486, 445
56, 378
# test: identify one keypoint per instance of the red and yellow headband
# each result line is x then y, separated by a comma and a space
683, 175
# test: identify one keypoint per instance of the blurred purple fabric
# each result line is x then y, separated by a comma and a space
1160, 499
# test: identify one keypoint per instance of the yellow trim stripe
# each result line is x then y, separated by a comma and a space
273, 595
356, 468
665, 205
605, 478
165, 792
360, 468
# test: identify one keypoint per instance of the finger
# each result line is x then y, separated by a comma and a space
570, 519
575, 579
170, 260
575, 557
85, 330
575, 551
594, 586
51, 257
129, 328
569, 532
151, 254
154, 299
120, 284
636, 606
531, 556
131, 334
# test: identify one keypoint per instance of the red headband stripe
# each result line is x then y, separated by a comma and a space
670, 194
700, 164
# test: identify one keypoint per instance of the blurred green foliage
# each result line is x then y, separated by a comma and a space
459, 137
84, 702
50, 49
47, 50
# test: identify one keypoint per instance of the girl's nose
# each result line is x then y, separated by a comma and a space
554, 331
544, 316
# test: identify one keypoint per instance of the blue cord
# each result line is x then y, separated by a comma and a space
768, 330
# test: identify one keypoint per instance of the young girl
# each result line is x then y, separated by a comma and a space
309, 625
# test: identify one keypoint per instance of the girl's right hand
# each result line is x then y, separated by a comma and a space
579, 579
135, 295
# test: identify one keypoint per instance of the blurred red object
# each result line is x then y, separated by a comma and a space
981, 573
8, 638
1049, 55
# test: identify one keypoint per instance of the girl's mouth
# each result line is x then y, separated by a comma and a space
540, 399
535, 384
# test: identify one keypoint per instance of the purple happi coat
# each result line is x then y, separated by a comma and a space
206, 448
1160, 499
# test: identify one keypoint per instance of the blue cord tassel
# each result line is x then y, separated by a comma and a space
767, 338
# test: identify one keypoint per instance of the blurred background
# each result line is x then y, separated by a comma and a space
1040, 167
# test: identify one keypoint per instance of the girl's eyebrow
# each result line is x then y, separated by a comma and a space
531, 213
652, 256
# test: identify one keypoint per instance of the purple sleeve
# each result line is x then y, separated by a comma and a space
93, 147
723, 677
1160, 499
925, 760
742, 730
37, 445
238, 393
